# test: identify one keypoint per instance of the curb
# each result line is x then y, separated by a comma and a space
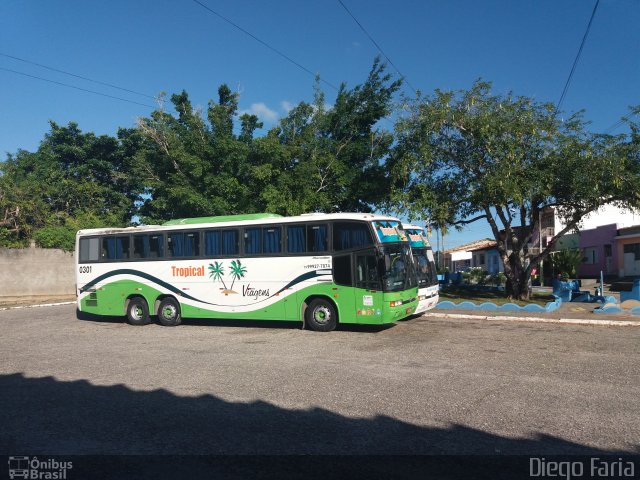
567, 321
36, 306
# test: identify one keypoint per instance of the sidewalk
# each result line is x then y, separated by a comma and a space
571, 313
30, 301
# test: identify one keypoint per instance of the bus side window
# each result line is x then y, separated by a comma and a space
115, 248
192, 244
140, 246
184, 244
230, 242
317, 240
156, 246
367, 271
252, 241
213, 243
296, 239
342, 270
148, 246
347, 235
89, 249
271, 239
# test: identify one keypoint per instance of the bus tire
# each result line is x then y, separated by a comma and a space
321, 315
138, 312
169, 312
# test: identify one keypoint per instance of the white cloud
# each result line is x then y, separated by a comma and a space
286, 106
262, 112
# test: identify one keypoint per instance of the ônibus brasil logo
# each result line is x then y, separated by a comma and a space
35, 468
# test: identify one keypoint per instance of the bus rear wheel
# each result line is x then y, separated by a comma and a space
169, 312
321, 315
138, 312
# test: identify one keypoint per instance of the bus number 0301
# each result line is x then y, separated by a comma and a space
85, 269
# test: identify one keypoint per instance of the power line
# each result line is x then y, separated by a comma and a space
77, 76
403, 77
273, 49
619, 123
76, 88
575, 62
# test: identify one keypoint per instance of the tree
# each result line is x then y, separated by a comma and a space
196, 167
319, 158
466, 156
334, 156
566, 262
74, 180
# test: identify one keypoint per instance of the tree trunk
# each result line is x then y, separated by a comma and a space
517, 287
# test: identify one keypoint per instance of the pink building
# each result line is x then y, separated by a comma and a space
598, 251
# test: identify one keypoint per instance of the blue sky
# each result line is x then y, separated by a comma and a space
159, 45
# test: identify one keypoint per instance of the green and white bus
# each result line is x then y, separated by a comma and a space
428, 287
320, 269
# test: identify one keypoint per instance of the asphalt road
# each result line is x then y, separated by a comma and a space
70, 386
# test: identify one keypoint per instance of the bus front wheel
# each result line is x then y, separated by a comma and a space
321, 315
169, 312
138, 312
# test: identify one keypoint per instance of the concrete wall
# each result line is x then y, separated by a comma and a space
36, 273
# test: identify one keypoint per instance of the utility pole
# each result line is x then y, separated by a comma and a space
540, 247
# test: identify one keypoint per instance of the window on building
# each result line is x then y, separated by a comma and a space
590, 256
633, 248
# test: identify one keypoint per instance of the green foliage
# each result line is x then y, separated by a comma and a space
498, 279
470, 155
73, 179
566, 263
475, 275
56, 236
318, 158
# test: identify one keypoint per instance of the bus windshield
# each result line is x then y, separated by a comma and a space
399, 271
425, 267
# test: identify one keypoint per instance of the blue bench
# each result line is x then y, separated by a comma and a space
569, 291
634, 294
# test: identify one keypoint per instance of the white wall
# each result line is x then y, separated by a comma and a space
606, 215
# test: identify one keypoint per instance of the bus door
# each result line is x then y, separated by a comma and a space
368, 287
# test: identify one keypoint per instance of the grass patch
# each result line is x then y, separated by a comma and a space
461, 294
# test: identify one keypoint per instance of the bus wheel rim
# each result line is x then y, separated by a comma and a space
322, 315
169, 312
136, 312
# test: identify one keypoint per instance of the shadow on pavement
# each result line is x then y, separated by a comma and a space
216, 322
45, 416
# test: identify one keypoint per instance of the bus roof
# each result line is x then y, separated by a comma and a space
239, 220
221, 218
411, 226
416, 241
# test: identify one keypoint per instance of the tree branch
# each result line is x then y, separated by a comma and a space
468, 221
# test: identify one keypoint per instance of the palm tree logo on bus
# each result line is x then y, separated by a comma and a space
216, 273
237, 271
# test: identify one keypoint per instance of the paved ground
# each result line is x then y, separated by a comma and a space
71, 386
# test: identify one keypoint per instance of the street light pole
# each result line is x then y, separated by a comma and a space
540, 247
